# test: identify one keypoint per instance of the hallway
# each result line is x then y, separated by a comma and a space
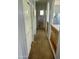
39, 39
40, 48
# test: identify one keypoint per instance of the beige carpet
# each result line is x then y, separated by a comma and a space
40, 48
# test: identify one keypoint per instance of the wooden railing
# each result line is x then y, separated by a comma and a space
54, 37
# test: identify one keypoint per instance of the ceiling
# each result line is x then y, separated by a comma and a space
42, 0
57, 2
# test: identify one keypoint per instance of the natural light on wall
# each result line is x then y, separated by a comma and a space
41, 12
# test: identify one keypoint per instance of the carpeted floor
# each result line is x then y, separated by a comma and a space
40, 48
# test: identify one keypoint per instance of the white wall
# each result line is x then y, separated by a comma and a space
34, 23
57, 9
33, 17
48, 20
28, 24
22, 46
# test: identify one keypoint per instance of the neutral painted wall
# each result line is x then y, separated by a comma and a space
34, 24
30, 22
50, 9
57, 9
48, 20
22, 46
33, 17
